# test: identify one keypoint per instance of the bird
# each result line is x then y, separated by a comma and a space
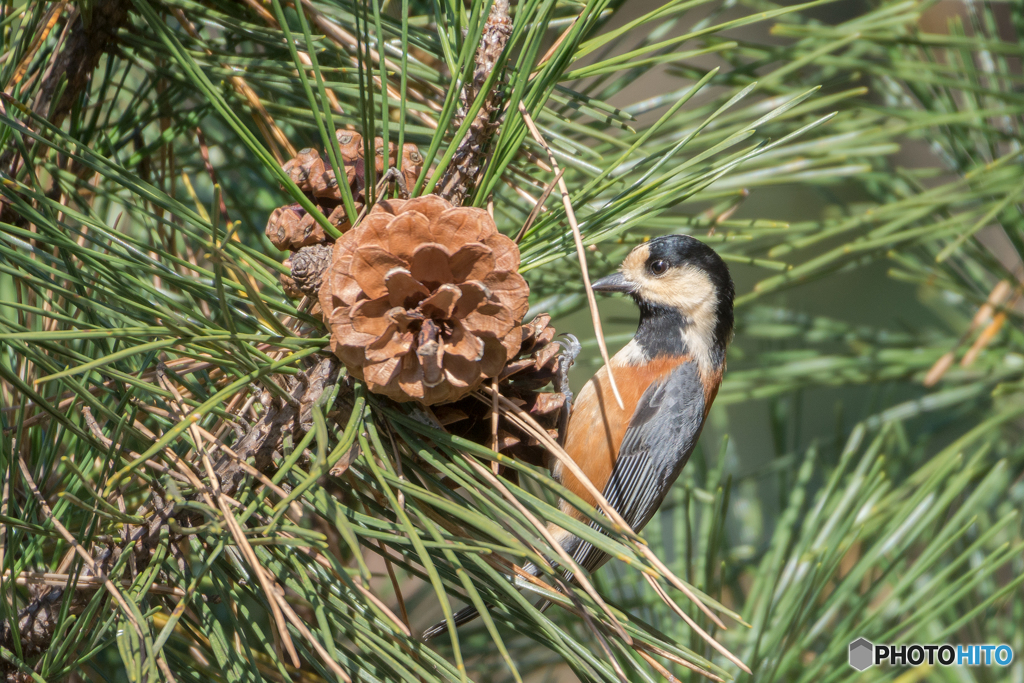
668, 376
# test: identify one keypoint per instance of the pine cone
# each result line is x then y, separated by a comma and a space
306, 163
291, 228
308, 266
323, 181
412, 163
424, 300
533, 368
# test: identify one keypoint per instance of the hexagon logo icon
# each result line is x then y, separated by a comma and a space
862, 654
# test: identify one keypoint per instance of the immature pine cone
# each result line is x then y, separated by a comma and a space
308, 266
424, 300
290, 227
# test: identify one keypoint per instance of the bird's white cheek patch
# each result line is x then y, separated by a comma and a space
633, 266
691, 292
687, 289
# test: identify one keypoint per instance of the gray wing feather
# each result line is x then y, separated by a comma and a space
658, 442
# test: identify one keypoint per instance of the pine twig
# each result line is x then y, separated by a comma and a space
580, 253
463, 173
76, 61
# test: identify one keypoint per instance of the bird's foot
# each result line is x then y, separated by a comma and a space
570, 350
395, 177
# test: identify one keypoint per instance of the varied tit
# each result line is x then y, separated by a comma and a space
668, 377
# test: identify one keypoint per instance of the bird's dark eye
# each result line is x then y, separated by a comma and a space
659, 267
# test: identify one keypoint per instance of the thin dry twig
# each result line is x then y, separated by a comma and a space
495, 466
97, 432
525, 421
63, 580
218, 445
218, 501
656, 665
555, 45
73, 542
539, 206
271, 20
675, 658
996, 297
403, 623
592, 627
708, 638
580, 252
264, 121
44, 33
398, 590
990, 331
348, 42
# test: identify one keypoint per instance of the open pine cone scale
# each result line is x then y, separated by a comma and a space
423, 299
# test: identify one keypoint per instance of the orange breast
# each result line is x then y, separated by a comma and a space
598, 425
711, 385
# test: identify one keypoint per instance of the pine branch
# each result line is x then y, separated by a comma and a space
466, 166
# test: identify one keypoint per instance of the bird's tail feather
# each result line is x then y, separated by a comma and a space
468, 614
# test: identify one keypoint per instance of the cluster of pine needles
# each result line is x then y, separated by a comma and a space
193, 490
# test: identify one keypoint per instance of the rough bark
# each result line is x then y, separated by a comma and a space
79, 56
463, 173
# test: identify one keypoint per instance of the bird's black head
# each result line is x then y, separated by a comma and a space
677, 281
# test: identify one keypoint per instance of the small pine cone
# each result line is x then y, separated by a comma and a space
305, 165
351, 145
412, 163
325, 184
308, 266
537, 362
290, 227
423, 300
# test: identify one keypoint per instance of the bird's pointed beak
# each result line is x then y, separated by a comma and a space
615, 282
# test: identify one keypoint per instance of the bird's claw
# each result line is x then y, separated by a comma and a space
395, 177
571, 348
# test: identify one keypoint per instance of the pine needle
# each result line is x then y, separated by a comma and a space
581, 254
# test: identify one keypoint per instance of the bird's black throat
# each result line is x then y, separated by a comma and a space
661, 327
